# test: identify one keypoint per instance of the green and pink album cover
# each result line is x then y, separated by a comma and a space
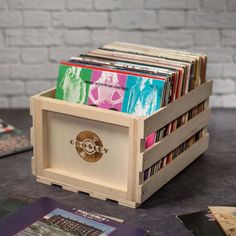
133, 94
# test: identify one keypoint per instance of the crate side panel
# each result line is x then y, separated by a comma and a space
175, 109
112, 167
170, 142
172, 169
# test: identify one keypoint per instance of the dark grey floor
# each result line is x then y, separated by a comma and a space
210, 180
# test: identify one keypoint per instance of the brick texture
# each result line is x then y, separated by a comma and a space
136, 19
36, 35
36, 19
34, 55
118, 4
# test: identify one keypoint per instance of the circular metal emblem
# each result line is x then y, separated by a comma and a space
89, 146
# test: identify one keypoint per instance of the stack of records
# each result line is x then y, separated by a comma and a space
134, 79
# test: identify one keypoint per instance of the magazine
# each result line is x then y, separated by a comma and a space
46, 217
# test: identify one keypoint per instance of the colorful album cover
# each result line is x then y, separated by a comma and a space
201, 223
226, 218
47, 217
131, 94
107, 90
13, 141
143, 96
5, 127
73, 84
61, 222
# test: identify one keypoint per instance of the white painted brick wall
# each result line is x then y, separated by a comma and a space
77, 37
4, 72
3, 4
118, 4
8, 87
10, 19
1, 39
135, 19
33, 87
169, 38
9, 55
232, 5
35, 35
209, 38
229, 38
34, 55
57, 54
172, 4
80, 19
34, 19
79, 5
4, 101
223, 86
172, 18
100, 37
214, 6
52, 5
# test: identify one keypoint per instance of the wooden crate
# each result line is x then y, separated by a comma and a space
101, 152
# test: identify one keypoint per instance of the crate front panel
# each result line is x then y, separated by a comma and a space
110, 169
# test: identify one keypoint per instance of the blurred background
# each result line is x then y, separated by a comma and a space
36, 34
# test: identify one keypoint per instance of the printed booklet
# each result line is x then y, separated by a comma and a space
47, 217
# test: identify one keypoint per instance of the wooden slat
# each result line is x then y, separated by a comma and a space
32, 136
84, 111
33, 166
32, 101
173, 140
175, 109
98, 195
172, 169
48, 93
40, 137
83, 183
132, 170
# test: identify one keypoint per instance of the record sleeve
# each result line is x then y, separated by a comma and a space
201, 223
13, 141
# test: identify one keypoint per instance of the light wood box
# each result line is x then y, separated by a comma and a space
117, 175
